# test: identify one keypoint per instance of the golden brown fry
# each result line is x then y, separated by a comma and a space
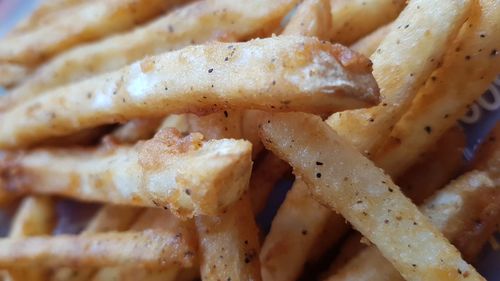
268, 171
368, 44
229, 244
424, 30
96, 19
451, 210
280, 74
35, 216
185, 174
149, 249
311, 18
12, 74
436, 167
341, 178
353, 19
469, 66
197, 23
293, 234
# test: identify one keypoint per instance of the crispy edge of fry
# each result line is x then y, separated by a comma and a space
149, 249
151, 173
267, 172
368, 44
399, 82
229, 244
169, 83
38, 45
463, 77
312, 17
450, 209
202, 20
354, 19
363, 194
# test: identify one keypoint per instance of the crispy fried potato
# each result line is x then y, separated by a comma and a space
318, 77
185, 174
12, 74
250, 131
312, 18
450, 210
229, 244
149, 249
341, 178
96, 19
293, 234
268, 171
469, 66
353, 19
368, 44
35, 216
197, 23
402, 63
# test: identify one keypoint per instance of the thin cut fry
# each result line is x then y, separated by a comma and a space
341, 178
311, 18
280, 74
468, 68
96, 19
402, 63
450, 210
230, 244
149, 249
368, 44
184, 174
199, 22
353, 19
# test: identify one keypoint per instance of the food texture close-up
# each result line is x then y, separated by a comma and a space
249, 140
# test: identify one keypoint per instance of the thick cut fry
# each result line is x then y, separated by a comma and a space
402, 63
36, 216
451, 210
341, 178
96, 19
311, 18
368, 44
12, 74
150, 249
280, 73
293, 234
268, 171
184, 174
469, 66
229, 244
199, 22
353, 19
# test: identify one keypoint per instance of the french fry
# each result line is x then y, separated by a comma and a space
229, 244
184, 174
157, 219
136, 130
35, 216
149, 249
488, 156
96, 19
353, 19
199, 22
11, 74
294, 232
268, 171
450, 210
311, 18
250, 129
350, 248
368, 44
341, 178
424, 30
467, 70
108, 218
263, 76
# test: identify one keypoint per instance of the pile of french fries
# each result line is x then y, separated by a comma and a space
179, 118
